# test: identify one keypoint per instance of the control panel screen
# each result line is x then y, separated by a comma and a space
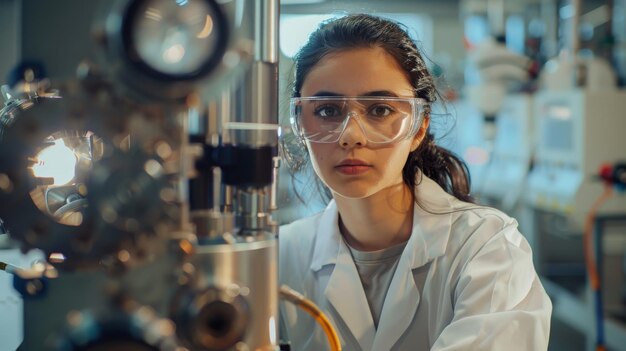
557, 132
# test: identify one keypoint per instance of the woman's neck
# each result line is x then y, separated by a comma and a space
379, 221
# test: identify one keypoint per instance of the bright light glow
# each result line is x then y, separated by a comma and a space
208, 28
56, 161
295, 30
56, 257
174, 53
182, 2
562, 113
272, 331
153, 168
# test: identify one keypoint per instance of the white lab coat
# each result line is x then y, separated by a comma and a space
465, 281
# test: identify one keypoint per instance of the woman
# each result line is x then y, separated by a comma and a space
400, 259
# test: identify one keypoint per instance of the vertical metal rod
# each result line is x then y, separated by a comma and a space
575, 39
183, 177
274, 186
225, 112
217, 189
228, 198
266, 31
212, 124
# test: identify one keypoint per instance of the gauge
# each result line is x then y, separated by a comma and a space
175, 39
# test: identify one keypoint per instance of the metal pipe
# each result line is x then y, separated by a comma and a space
183, 178
217, 189
274, 187
225, 112
256, 112
575, 38
266, 31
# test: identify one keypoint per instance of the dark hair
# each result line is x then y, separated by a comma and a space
360, 30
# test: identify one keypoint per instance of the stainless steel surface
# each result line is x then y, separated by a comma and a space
253, 268
212, 224
253, 210
256, 113
266, 31
274, 189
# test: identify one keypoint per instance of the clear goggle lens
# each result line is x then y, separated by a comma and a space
381, 119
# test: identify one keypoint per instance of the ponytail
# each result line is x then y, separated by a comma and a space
439, 164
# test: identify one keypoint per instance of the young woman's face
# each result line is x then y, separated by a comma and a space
352, 167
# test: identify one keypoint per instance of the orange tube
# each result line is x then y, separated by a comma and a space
299, 300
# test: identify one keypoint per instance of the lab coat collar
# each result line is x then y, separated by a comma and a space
432, 219
429, 238
327, 238
344, 290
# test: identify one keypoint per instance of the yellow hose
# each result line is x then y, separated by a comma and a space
299, 300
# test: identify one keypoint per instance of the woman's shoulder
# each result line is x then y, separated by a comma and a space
296, 241
465, 218
300, 229
475, 226
479, 216
298, 236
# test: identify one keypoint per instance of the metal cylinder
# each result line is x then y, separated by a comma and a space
256, 113
266, 31
253, 211
248, 273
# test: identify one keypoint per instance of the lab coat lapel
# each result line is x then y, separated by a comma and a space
345, 293
402, 297
429, 238
344, 290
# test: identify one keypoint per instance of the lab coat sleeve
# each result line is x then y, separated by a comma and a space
499, 302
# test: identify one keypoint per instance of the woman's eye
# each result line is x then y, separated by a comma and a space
380, 111
327, 111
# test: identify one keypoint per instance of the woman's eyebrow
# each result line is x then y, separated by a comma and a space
327, 93
381, 93
386, 93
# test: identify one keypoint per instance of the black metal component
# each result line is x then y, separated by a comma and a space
241, 165
201, 191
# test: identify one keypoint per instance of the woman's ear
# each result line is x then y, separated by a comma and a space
421, 133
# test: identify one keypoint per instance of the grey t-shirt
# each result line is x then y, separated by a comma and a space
376, 269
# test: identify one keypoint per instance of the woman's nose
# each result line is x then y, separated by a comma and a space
353, 134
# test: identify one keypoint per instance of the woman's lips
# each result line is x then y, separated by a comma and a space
353, 167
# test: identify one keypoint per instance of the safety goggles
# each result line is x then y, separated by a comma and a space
382, 120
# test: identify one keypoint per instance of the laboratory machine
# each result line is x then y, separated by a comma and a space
511, 156
577, 131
